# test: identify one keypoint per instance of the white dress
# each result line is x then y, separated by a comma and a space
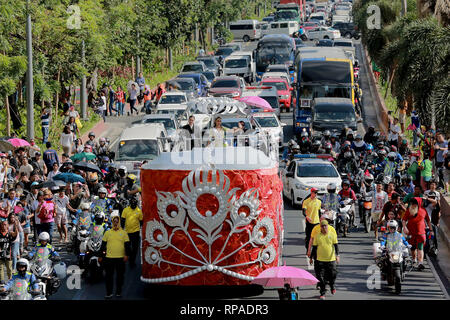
217, 137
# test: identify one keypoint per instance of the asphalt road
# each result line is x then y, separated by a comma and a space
354, 270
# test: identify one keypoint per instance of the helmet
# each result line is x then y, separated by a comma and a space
102, 190
369, 147
391, 156
91, 134
132, 177
102, 140
295, 147
316, 143
393, 148
358, 136
346, 143
105, 159
291, 142
304, 134
345, 182
407, 178
349, 132
44, 236
404, 141
368, 179
382, 152
334, 135
328, 146
331, 188
392, 224
85, 206
22, 263
123, 168
380, 144
99, 217
326, 133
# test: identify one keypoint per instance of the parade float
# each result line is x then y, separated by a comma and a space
212, 216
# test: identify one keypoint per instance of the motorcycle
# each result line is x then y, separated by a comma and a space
42, 267
394, 262
333, 216
79, 232
93, 253
20, 291
366, 208
345, 217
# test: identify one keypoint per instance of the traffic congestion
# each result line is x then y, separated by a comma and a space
261, 153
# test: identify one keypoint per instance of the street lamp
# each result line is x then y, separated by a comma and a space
30, 90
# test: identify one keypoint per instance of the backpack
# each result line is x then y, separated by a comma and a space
46, 212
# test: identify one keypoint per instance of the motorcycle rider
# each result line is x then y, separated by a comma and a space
44, 238
367, 190
379, 198
101, 150
390, 168
288, 149
404, 149
381, 146
22, 273
330, 200
102, 203
380, 161
347, 193
91, 141
350, 136
398, 156
369, 157
329, 150
358, 145
131, 189
325, 137
392, 236
407, 186
335, 143
369, 136
304, 143
122, 172
317, 148
347, 155
295, 150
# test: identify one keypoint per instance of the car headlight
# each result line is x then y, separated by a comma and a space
285, 96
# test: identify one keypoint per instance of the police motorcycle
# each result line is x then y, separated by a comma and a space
80, 233
344, 217
330, 204
394, 258
47, 274
365, 202
94, 270
20, 287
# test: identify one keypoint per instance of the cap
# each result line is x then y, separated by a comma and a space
314, 190
324, 223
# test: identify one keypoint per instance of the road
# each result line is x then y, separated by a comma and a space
354, 270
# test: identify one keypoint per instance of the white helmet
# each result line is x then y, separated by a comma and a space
44, 236
114, 214
331, 188
102, 190
23, 262
392, 224
85, 206
123, 168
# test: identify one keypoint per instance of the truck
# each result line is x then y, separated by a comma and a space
298, 5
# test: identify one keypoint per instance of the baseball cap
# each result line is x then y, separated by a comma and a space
324, 223
314, 190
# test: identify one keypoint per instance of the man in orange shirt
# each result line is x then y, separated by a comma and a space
120, 100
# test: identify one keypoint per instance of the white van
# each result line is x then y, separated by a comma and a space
139, 143
248, 54
280, 27
246, 30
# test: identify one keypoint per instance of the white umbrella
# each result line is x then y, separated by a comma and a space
130, 83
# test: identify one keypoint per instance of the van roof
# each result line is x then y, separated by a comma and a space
243, 21
143, 131
322, 52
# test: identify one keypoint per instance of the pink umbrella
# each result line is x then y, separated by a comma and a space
257, 102
278, 276
16, 142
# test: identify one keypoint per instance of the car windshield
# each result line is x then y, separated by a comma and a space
316, 171
208, 62
137, 150
322, 91
185, 85
276, 69
342, 44
224, 51
267, 122
325, 43
273, 101
334, 115
225, 84
176, 112
236, 63
209, 75
196, 78
233, 123
172, 99
192, 68
286, 15
168, 123
317, 18
279, 85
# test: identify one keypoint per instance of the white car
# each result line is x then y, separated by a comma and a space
172, 98
283, 75
305, 173
323, 33
268, 122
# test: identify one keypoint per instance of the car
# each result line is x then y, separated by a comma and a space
175, 97
347, 29
235, 45
188, 86
194, 66
238, 65
321, 17
227, 86
268, 122
222, 52
211, 64
284, 91
323, 33
283, 75
138, 143
200, 81
169, 121
268, 93
324, 43
302, 174
182, 112
310, 25
281, 68
333, 114
210, 76
348, 47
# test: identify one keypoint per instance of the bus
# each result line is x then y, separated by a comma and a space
274, 49
321, 72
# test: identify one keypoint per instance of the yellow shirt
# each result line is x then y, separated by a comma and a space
312, 210
325, 246
132, 219
115, 247
316, 230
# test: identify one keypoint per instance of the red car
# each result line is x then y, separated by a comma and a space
284, 90
227, 86
310, 25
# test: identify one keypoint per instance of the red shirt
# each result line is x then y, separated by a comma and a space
416, 224
120, 97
